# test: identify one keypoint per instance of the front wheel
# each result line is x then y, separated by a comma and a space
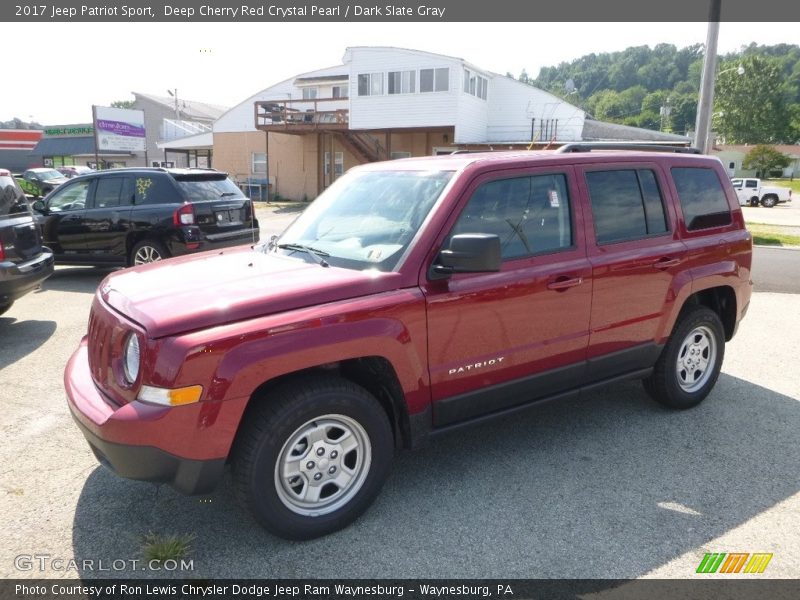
312, 457
754, 202
690, 363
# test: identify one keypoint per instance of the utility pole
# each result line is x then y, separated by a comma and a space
705, 104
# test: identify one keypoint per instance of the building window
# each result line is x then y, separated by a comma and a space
434, 80
338, 166
309, 93
259, 162
399, 154
370, 84
402, 82
339, 91
475, 85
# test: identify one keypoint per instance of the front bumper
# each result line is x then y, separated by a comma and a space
17, 279
181, 446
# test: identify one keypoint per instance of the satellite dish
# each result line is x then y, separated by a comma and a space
569, 85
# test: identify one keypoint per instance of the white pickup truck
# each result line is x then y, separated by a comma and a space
752, 193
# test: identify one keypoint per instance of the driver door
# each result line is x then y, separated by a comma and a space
62, 220
501, 339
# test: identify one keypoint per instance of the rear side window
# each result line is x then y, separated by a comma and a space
626, 205
12, 200
702, 198
204, 188
108, 191
155, 189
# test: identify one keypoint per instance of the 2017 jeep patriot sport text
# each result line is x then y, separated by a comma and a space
411, 297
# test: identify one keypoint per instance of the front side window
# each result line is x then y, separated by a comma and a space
366, 219
530, 215
71, 197
626, 205
702, 198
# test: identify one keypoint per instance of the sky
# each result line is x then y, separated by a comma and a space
81, 64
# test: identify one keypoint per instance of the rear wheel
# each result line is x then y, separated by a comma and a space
690, 363
147, 251
769, 201
312, 457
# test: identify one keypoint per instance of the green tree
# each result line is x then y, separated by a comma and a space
751, 107
122, 104
763, 159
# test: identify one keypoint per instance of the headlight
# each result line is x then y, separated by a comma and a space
130, 357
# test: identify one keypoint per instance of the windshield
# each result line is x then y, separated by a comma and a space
366, 219
51, 174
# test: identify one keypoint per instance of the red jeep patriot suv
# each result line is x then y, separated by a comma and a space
412, 297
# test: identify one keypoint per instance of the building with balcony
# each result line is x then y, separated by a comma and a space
384, 103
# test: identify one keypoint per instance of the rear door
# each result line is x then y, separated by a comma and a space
222, 211
636, 254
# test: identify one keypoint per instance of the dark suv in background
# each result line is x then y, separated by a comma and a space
135, 216
24, 262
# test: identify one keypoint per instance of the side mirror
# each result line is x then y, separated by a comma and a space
470, 253
39, 207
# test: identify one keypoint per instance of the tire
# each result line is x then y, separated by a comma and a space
690, 363
769, 201
147, 251
322, 429
754, 202
4, 307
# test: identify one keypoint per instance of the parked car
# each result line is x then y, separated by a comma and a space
24, 262
412, 297
70, 171
135, 216
752, 192
40, 181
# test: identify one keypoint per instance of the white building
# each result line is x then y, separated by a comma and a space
383, 103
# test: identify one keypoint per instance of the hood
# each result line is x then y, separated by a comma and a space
208, 289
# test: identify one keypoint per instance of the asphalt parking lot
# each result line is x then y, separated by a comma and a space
607, 486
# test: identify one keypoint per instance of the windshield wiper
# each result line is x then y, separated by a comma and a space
314, 253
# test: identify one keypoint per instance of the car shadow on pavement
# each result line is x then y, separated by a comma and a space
610, 485
20, 338
75, 279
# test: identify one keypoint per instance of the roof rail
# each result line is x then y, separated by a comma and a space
589, 146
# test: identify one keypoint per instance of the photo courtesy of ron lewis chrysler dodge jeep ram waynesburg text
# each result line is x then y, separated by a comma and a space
411, 297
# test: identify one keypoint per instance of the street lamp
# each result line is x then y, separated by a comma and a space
174, 94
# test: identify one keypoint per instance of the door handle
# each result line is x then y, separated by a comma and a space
666, 262
564, 282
